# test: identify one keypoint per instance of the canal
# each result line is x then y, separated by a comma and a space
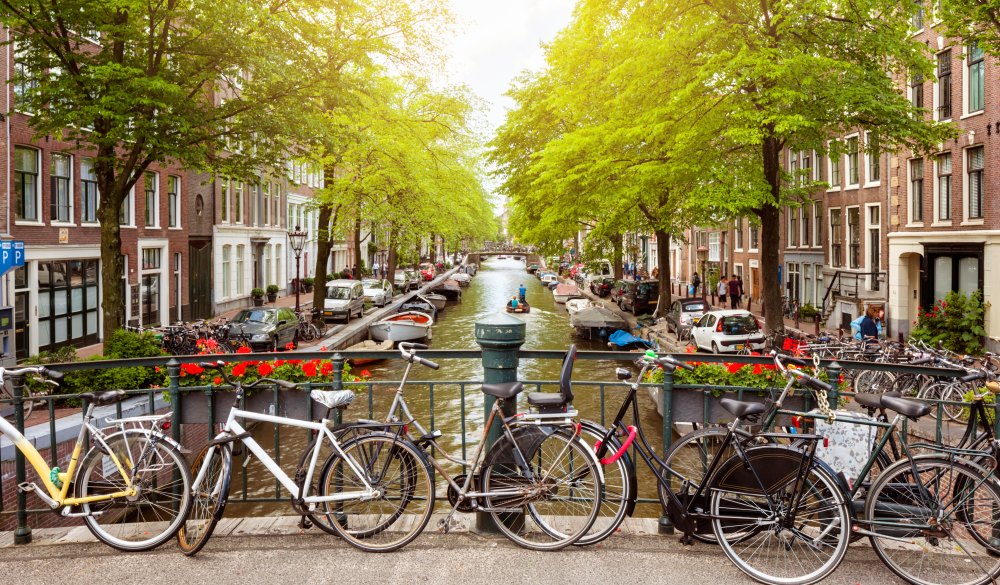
546, 328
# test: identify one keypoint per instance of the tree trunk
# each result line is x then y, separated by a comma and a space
663, 261
112, 270
416, 263
616, 262
391, 261
770, 226
357, 247
327, 218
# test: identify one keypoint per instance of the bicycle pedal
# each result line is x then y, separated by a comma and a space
305, 523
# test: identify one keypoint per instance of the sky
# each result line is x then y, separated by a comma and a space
495, 40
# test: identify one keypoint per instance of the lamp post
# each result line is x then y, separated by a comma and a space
297, 239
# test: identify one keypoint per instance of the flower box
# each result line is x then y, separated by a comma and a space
699, 405
291, 403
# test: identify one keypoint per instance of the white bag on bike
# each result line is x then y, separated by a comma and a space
847, 445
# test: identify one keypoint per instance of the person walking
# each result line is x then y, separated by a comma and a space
722, 289
739, 299
734, 293
869, 323
695, 283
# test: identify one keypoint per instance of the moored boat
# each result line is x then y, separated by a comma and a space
419, 304
566, 291
450, 289
369, 345
574, 306
597, 322
439, 301
408, 326
461, 278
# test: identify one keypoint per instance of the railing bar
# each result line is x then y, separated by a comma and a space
462, 403
277, 442
430, 394
53, 446
603, 397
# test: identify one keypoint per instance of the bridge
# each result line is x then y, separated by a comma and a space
529, 258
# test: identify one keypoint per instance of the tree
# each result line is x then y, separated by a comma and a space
226, 86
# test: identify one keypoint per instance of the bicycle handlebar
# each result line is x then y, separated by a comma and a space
53, 375
406, 348
972, 377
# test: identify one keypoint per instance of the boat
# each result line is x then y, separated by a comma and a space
531, 269
522, 307
548, 277
462, 278
408, 326
566, 291
552, 285
597, 322
574, 306
369, 345
439, 301
625, 341
501, 257
418, 304
450, 289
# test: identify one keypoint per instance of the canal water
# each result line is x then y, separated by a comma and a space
455, 412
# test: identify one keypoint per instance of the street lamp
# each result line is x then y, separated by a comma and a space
297, 239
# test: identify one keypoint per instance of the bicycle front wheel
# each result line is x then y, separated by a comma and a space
933, 526
155, 511
550, 502
787, 537
619, 487
213, 465
401, 505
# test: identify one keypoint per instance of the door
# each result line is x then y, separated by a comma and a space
200, 279
751, 289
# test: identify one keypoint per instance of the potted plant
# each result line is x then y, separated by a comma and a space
808, 311
307, 284
272, 293
257, 294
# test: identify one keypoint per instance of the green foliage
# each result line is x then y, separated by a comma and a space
956, 322
808, 311
308, 280
717, 377
989, 399
273, 289
257, 292
125, 344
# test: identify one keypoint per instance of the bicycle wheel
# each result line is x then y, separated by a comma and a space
550, 504
619, 487
780, 543
404, 499
954, 393
873, 382
162, 482
932, 527
210, 495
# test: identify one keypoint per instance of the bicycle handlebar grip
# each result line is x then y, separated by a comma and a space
426, 362
50, 374
669, 361
412, 345
923, 359
972, 377
212, 365
819, 384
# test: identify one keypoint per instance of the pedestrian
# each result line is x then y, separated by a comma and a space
722, 289
521, 292
347, 272
734, 293
869, 323
739, 299
656, 272
695, 283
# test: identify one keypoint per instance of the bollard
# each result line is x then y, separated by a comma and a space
500, 336
833, 370
667, 394
816, 319
338, 384
22, 534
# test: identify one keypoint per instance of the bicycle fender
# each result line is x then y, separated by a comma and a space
529, 438
776, 466
166, 438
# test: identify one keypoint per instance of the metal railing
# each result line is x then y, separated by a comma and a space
175, 396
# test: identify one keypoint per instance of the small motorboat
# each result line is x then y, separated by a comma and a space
369, 345
597, 322
552, 285
408, 326
522, 307
461, 278
574, 306
450, 289
501, 257
548, 277
419, 304
566, 291
625, 341
531, 269
439, 301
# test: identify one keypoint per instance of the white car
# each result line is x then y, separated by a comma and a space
727, 331
377, 292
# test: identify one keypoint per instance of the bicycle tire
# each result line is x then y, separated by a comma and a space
209, 499
164, 475
562, 462
619, 494
954, 392
404, 506
937, 557
822, 523
27, 403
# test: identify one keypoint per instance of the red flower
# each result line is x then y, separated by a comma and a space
322, 348
279, 363
757, 369
690, 349
264, 369
244, 349
326, 369
239, 370
193, 369
366, 374
217, 380
294, 362
309, 369
290, 346
733, 368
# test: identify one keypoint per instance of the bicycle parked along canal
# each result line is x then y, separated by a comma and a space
131, 488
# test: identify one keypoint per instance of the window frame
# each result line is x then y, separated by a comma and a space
939, 217
943, 103
853, 238
853, 160
873, 155
174, 202
833, 171
88, 187
66, 182
979, 64
968, 217
21, 195
911, 191
836, 247
873, 243
151, 213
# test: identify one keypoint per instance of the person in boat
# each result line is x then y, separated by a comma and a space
513, 303
521, 292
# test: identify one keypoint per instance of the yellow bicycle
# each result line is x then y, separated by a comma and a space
132, 487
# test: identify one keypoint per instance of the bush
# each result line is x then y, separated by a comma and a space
956, 322
257, 292
807, 311
272, 289
308, 280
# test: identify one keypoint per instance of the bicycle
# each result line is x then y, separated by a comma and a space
131, 488
375, 490
539, 482
307, 331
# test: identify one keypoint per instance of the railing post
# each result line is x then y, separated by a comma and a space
500, 336
667, 395
22, 534
174, 390
338, 383
833, 370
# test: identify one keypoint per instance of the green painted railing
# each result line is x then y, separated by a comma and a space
174, 396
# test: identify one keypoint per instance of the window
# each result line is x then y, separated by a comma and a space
150, 287
738, 235
89, 195
917, 90
125, 216
975, 169
227, 286
872, 154
224, 202
152, 200
68, 303
276, 205
852, 162
805, 221
714, 254
239, 270
917, 18
173, 201
944, 85
267, 263
944, 186
917, 190
834, 171
874, 245
279, 275
26, 183
62, 196
238, 201
792, 284
805, 162
976, 76
807, 284
835, 245
817, 224
793, 226
265, 216
854, 235
23, 82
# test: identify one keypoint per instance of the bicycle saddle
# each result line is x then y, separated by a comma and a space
333, 398
741, 409
874, 400
104, 398
503, 390
908, 408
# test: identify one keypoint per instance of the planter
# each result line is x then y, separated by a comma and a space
697, 405
258, 301
307, 287
291, 403
272, 297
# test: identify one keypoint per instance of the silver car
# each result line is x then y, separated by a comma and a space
344, 299
377, 292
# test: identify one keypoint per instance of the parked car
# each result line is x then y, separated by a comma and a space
683, 312
415, 278
602, 286
269, 329
727, 331
344, 299
639, 296
427, 271
377, 292
401, 281
617, 289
